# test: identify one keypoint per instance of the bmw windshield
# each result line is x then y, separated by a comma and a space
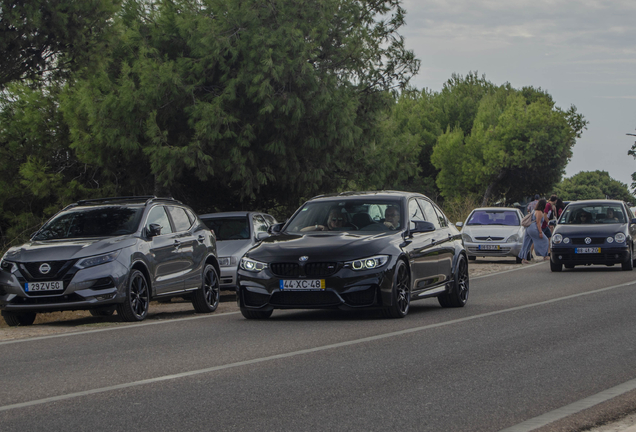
347, 215
91, 222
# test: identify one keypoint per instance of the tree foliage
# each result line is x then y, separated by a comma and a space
593, 185
260, 100
49, 38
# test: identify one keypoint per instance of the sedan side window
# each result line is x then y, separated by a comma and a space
415, 213
158, 216
429, 212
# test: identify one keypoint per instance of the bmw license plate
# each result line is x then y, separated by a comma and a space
587, 250
488, 247
302, 284
43, 286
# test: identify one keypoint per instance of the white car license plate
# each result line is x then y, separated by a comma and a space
587, 250
302, 284
488, 247
43, 286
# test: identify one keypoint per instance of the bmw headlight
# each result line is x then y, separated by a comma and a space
367, 263
98, 260
557, 238
620, 238
467, 238
252, 265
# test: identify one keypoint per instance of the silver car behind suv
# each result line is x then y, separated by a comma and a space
111, 254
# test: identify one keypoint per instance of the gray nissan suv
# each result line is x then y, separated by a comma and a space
111, 254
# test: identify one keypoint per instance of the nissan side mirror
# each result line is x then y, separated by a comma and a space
154, 230
274, 229
422, 226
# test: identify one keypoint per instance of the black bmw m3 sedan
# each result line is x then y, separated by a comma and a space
354, 250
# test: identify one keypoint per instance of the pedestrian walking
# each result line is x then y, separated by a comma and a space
534, 235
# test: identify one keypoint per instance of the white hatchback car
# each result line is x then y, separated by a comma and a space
493, 232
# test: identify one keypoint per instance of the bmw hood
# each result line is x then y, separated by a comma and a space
226, 248
321, 247
61, 250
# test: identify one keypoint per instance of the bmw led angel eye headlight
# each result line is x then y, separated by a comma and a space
367, 263
252, 265
98, 260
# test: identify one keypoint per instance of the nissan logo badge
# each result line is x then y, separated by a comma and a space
45, 268
303, 258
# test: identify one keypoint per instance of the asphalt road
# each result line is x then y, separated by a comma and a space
529, 342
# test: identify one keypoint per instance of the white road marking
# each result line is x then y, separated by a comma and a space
121, 327
298, 353
573, 408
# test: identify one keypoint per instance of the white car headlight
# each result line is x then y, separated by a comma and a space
367, 263
98, 260
227, 261
557, 238
620, 238
252, 265
513, 238
467, 238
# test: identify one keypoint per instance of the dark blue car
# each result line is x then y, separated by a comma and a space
594, 232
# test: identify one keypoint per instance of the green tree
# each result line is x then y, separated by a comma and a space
49, 38
276, 100
519, 144
593, 185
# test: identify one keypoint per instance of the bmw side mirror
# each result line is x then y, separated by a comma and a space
459, 224
261, 235
274, 229
154, 230
422, 226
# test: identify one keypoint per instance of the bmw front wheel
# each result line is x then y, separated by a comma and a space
401, 292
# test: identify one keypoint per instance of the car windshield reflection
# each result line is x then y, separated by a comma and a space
91, 222
593, 214
229, 228
494, 217
347, 215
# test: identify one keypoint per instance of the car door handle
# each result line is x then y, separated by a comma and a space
201, 238
177, 244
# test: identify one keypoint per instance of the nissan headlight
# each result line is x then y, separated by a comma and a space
8, 266
252, 265
620, 238
98, 259
557, 238
367, 263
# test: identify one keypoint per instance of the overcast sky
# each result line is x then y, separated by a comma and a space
583, 52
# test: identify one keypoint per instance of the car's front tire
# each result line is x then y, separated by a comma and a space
137, 301
458, 296
401, 292
14, 319
206, 299
555, 267
629, 264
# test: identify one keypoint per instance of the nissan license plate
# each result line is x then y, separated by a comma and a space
43, 286
488, 247
587, 250
302, 284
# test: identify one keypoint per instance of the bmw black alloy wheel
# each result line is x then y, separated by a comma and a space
206, 299
135, 306
458, 294
462, 281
